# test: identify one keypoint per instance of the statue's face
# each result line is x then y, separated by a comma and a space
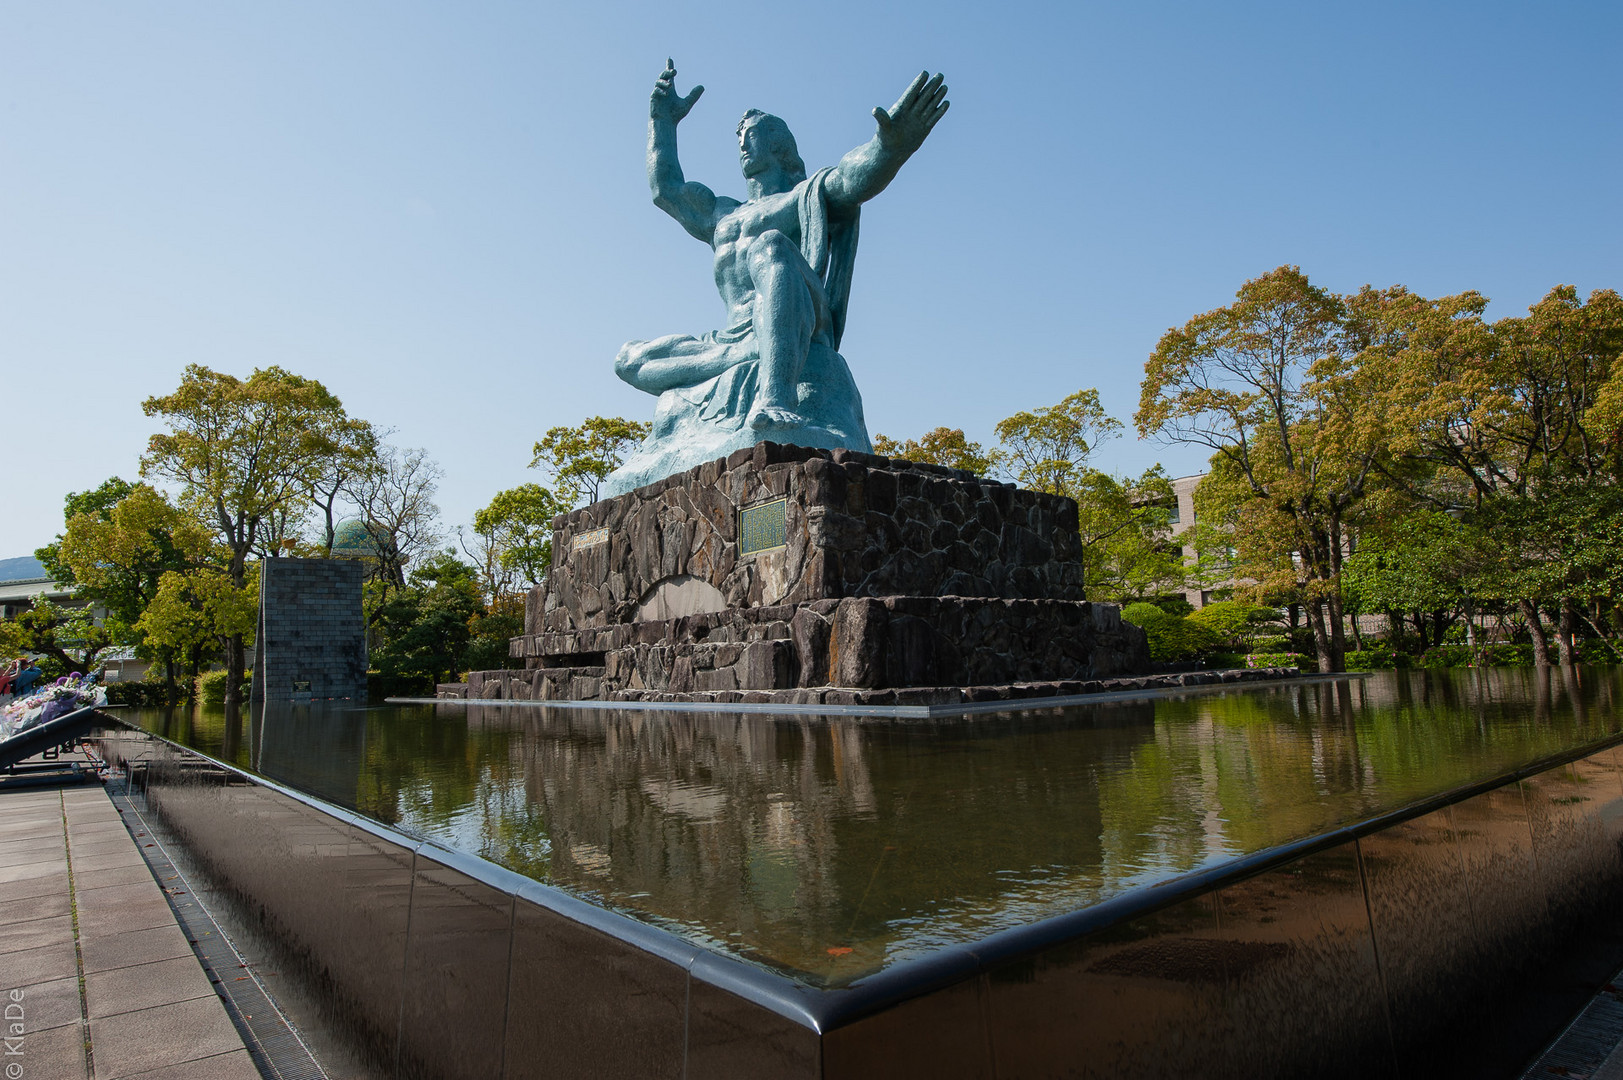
755, 152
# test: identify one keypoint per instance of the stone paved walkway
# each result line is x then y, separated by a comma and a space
96, 977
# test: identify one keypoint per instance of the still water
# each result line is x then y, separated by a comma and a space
827, 848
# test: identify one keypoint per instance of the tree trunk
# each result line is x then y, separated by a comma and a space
1338, 632
234, 665
1541, 643
1358, 634
1321, 636
1394, 630
1419, 627
1563, 634
1439, 625
170, 696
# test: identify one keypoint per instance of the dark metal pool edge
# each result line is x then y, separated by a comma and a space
901, 712
823, 1010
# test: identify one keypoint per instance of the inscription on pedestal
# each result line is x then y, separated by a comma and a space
590, 538
763, 527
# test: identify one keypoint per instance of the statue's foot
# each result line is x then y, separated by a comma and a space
763, 417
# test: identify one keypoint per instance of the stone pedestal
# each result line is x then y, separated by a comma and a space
816, 577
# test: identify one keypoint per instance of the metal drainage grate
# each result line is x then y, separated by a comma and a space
274, 1046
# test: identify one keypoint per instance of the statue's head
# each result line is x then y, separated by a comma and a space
764, 139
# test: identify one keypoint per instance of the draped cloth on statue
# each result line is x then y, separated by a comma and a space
699, 423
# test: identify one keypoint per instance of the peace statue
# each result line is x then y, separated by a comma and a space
783, 266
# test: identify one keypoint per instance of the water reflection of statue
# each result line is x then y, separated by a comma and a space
783, 261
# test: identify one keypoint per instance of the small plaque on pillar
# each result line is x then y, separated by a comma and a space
763, 527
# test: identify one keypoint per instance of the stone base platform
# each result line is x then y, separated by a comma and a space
813, 575
558, 684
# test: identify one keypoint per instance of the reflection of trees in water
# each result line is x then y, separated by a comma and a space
1241, 772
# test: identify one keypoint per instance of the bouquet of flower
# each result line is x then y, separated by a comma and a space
68, 694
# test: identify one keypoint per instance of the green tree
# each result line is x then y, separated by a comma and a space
1511, 422
1266, 384
68, 637
198, 613
119, 554
939, 446
580, 458
245, 453
424, 629
1047, 449
1125, 526
514, 538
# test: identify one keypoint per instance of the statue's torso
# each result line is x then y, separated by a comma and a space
735, 231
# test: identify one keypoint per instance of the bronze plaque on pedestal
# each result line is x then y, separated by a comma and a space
763, 527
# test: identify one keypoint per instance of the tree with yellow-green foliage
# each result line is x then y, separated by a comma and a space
581, 458
1295, 429
944, 446
243, 452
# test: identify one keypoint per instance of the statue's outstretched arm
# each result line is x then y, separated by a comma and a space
691, 204
865, 171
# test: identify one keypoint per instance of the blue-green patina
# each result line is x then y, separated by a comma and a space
783, 262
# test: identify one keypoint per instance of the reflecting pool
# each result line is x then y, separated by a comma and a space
829, 847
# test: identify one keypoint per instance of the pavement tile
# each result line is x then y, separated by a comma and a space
57, 1053
36, 933
84, 880
93, 831
132, 1042
129, 856
45, 964
36, 907
21, 871
30, 830
10, 849
145, 986
116, 896
136, 915
236, 1065
50, 1004
104, 953
97, 846
24, 888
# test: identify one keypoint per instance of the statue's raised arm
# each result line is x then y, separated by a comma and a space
690, 203
902, 129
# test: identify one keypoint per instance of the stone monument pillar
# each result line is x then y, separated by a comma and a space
310, 642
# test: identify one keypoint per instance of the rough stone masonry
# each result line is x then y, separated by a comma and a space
789, 574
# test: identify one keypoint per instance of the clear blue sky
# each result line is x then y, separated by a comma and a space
440, 210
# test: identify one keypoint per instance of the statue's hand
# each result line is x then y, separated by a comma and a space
666, 104
904, 125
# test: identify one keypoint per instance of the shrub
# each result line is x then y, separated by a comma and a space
1172, 637
1140, 612
1225, 660
1301, 661
1372, 659
1596, 651
1498, 654
1233, 621
211, 687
